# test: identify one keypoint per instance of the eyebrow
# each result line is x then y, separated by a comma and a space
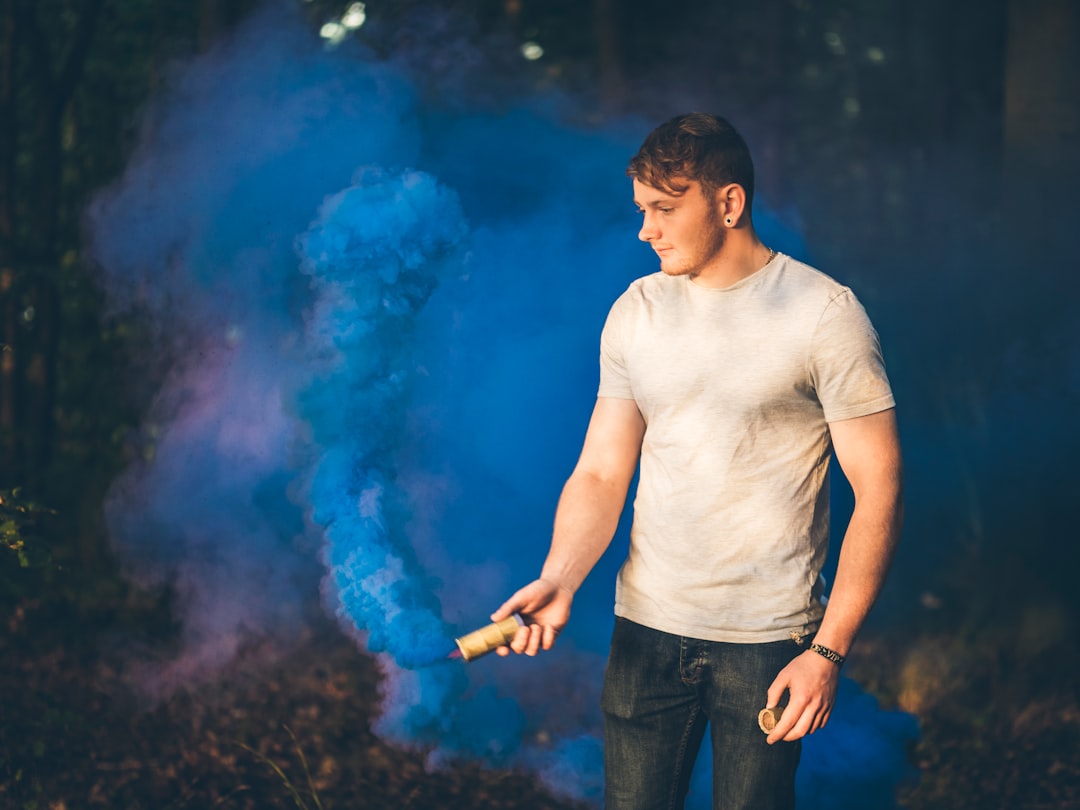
656, 203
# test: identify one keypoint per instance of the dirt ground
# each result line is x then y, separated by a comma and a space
278, 730
292, 729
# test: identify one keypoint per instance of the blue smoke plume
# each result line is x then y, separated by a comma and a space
380, 316
374, 256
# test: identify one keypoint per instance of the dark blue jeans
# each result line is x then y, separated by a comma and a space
662, 691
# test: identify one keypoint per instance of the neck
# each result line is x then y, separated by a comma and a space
741, 255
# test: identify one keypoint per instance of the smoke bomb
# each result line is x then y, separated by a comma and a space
768, 718
488, 638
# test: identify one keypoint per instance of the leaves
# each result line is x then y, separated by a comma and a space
17, 516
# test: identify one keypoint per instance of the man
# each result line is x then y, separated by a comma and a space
732, 375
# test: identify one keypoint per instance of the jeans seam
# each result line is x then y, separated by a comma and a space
680, 760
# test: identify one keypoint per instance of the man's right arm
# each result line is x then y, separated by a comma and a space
585, 521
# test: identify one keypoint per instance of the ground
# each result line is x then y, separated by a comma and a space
292, 728
278, 730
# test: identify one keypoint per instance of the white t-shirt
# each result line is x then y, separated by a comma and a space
736, 387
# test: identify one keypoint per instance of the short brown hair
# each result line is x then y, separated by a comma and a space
696, 146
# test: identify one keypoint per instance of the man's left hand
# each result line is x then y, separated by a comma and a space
811, 681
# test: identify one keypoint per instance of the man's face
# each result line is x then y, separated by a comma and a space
684, 229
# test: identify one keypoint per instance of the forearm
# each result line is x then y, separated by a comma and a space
585, 521
865, 556
809, 679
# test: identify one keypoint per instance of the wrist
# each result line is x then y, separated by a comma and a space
828, 654
838, 639
558, 584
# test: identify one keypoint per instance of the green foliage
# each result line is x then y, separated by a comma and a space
18, 518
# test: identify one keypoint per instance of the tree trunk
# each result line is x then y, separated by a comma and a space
11, 457
43, 310
8, 124
612, 81
30, 393
10, 395
1042, 101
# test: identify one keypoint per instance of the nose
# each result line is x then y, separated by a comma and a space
648, 231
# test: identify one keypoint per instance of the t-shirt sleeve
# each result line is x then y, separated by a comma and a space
846, 366
614, 379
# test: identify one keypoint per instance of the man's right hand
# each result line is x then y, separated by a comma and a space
544, 606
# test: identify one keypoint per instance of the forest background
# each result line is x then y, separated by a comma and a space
936, 142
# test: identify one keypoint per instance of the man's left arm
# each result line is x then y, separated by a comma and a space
868, 450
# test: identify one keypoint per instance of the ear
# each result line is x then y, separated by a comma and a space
730, 204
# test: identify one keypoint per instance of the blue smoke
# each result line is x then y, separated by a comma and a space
380, 316
374, 256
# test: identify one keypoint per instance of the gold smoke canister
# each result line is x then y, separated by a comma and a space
487, 638
768, 718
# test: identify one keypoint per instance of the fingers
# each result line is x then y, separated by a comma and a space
514, 604
536, 636
811, 721
544, 607
776, 690
811, 688
799, 720
527, 641
550, 634
530, 639
518, 644
532, 597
